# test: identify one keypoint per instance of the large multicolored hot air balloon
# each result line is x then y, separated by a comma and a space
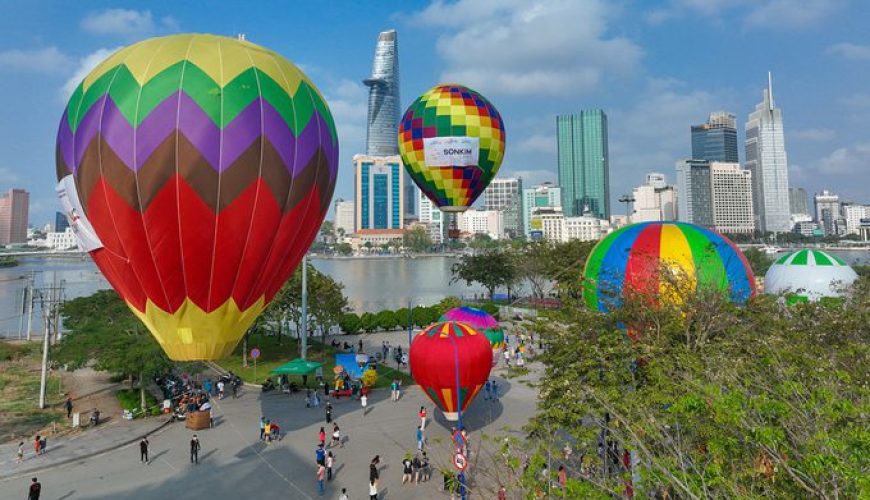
450, 361
452, 142
809, 276
196, 170
634, 258
481, 321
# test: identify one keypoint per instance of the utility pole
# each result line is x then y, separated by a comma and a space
45, 326
29, 304
304, 338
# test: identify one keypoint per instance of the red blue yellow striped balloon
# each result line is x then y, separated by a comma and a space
633, 258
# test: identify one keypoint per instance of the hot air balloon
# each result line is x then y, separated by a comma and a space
196, 170
809, 276
482, 322
450, 361
452, 143
633, 258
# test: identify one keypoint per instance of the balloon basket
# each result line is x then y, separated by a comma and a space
452, 416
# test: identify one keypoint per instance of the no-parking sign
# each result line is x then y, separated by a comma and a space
255, 353
459, 461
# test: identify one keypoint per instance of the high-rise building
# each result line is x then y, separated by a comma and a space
488, 222
798, 201
694, 192
344, 217
853, 213
732, 198
60, 222
766, 159
716, 140
379, 200
506, 195
551, 224
583, 160
544, 196
654, 200
827, 211
14, 206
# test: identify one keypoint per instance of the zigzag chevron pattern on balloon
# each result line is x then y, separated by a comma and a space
206, 165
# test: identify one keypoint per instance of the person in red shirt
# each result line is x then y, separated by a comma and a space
422, 416
322, 436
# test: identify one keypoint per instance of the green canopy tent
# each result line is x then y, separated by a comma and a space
298, 366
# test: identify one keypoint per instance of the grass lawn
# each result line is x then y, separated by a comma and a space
273, 355
19, 392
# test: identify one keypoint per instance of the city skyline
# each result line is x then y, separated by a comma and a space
635, 65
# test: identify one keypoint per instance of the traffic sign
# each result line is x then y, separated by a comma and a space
459, 461
255, 353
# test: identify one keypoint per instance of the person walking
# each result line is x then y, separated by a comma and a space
328, 413
267, 431
20, 453
321, 474
373, 489
35, 490
419, 438
407, 470
262, 428
36, 443
68, 406
364, 400
322, 436
220, 387
336, 436
143, 450
360, 345
422, 414
394, 390
320, 455
374, 473
194, 449
330, 461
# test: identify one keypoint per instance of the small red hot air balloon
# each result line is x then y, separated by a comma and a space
450, 361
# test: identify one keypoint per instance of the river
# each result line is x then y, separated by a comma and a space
370, 284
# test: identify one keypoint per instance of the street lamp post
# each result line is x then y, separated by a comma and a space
304, 339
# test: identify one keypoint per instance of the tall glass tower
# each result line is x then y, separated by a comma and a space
584, 167
716, 140
766, 159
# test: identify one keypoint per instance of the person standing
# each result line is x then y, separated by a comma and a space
563, 476
143, 450
422, 414
20, 453
373, 489
322, 436
374, 473
267, 431
407, 470
220, 387
320, 455
68, 406
394, 390
360, 345
330, 461
194, 449
36, 443
321, 474
364, 402
502, 494
328, 413
35, 490
419, 438
343, 495
336, 436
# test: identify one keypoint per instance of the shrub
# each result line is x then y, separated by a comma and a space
129, 400
387, 320
349, 323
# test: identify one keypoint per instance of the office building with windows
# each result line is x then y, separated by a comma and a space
798, 201
694, 192
767, 160
506, 195
716, 140
732, 198
14, 207
544, 196
583, 163
827, 211
379, 200
655, 200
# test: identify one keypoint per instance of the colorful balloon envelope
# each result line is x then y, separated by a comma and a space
450, 361
452, 143
196, 170
482, 322
809, 276
661, 261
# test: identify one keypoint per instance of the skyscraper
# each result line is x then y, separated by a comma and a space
384, 110
694, 192
827, 211
766, 159
378, 183
716, 140
505, 195
14, 206
584, 169
797, 201
717, 195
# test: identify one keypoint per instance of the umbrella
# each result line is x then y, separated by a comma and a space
298, 366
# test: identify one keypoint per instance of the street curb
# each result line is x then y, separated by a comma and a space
27, 472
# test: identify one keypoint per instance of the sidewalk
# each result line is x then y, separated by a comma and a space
110, 435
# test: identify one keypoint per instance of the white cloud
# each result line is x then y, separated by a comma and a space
9, 176
44, 60
348, 102
126, 22
538, 143
813, 134
858, 100
847, 160
521, 47
85, 65
850, 51
790, 13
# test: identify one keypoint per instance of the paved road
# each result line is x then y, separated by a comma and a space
233, 463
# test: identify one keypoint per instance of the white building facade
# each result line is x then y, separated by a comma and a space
853, 213
430, 215
655, 200
544, 196
506, 195
344, 217
488, 222
732, 198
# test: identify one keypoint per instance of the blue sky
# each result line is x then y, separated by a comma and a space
655, 67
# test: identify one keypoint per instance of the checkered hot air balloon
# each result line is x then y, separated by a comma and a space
483, 322
634, 258
452, 142
196, 170
450, 361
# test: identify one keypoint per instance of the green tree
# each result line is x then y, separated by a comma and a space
101, 328
349, 323
387, 320
416, 240
343, 248
368, 322
759, 261
491, 270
